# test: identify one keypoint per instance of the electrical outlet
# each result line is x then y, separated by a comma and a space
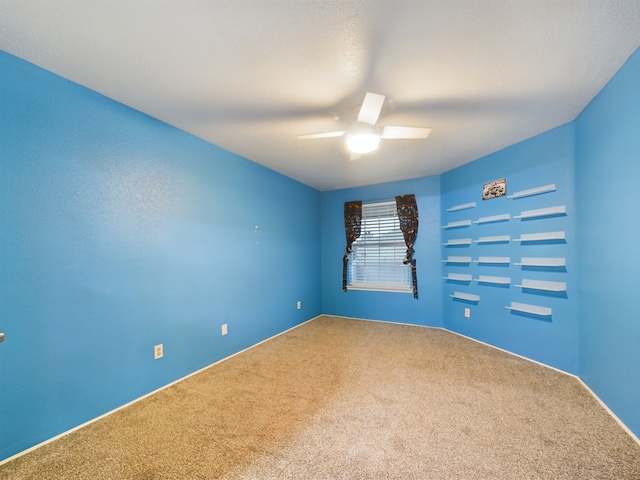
158, 352
224, 329
299, 305
467, 313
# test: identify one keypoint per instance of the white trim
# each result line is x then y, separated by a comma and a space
455, 333
378, 321
511, 353
24, 452
376, 259
604, 405
615, 417
88, 422
378, 287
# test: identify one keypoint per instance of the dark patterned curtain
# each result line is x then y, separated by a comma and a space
408, 216
352, 225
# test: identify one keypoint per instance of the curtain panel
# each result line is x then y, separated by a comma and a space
408, 216
352, 227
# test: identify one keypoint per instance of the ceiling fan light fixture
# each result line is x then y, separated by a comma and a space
363, 138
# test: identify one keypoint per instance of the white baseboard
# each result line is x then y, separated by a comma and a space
52, 439
380, 321
89, 422
512, 353
604, 405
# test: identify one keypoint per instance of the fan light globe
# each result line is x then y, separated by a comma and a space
363, 138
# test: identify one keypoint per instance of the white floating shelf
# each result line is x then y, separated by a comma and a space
542, 285
541, 262
461, 207
534, 309
534, 191
488, 279
461, 223
457, 260
538, 237
494, 218
465, 296
493, 260
543, 212
458, 277
458, 241
496, 239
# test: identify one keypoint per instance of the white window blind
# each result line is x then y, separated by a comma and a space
376, 258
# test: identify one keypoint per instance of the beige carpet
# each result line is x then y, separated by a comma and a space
348, 399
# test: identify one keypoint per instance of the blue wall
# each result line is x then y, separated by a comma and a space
594, 330
393, 307
608, 200
117, 233
542, 160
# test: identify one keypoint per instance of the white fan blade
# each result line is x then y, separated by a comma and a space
405, 132
321, 135
370, 110
355, 156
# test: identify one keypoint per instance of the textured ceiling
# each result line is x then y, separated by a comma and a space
251, 75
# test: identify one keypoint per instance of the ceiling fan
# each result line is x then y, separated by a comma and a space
364, 136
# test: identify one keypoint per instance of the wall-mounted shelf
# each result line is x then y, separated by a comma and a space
539, 237
461, 223
451, 259
541, 262
457, 241
534, 309
489, 279
501, 260
496, 239
494, 218
461, 207
534, 191
543, 212
465, 296
542, 285
458, 277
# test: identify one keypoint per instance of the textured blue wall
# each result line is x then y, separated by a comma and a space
542, 160
117, 233
608, 200
394, 307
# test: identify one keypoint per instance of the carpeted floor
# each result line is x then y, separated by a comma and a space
349, 399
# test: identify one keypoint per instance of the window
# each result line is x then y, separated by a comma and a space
377, 255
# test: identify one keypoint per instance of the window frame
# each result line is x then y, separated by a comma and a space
382, 215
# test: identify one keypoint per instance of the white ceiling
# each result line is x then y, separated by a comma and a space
251, 75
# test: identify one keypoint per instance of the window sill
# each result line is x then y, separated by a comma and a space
381, 288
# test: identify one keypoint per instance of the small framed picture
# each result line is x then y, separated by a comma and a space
494, 189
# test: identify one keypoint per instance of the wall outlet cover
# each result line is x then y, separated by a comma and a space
158, 352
